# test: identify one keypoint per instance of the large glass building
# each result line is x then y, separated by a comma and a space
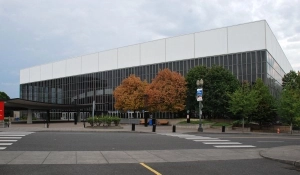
249, 51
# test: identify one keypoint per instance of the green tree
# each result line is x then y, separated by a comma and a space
194, 74
266, 109
218, 83
4, 96
289, 105
243, 101
290, 79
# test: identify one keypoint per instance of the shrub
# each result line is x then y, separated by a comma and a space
98, 120
90, 121
116, 120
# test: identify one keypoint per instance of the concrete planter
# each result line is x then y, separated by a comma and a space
246, 129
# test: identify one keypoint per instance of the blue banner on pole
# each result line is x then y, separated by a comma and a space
200, 92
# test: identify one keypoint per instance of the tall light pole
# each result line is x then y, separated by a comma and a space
199, 84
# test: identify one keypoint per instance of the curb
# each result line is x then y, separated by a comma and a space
290, 162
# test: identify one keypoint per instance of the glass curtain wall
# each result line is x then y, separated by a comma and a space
99, 86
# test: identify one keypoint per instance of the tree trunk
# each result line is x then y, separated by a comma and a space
243, 124
291, 128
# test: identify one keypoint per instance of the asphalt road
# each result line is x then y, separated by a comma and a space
232, 167
134, 141
117, 141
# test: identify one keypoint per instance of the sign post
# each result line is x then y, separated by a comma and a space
1, 110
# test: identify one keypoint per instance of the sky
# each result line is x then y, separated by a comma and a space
35, 32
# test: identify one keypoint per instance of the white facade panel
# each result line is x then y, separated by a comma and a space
59, 69
181, 47
108, 60
24, 76
213, 42
89, 63
276, 51
73, 66
35, 73
246, 37
153, 52
46, 71
129, 56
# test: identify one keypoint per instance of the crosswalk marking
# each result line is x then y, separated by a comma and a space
2, 144
221, 143
12, 135
234, 146
198, 138
211, 140
215, 142
8, 138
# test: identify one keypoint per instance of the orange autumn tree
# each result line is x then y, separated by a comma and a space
167, 92
130, 94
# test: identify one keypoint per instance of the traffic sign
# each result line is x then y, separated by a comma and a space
200, 92
199, 98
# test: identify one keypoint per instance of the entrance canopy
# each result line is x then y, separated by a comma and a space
21, 104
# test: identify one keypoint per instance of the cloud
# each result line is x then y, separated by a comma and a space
38, 32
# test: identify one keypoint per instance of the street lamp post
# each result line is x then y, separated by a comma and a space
199, 84
145, 108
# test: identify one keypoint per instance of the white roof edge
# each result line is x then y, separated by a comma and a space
148, 42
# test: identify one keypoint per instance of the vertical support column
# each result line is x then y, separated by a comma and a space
48, 118
29, 116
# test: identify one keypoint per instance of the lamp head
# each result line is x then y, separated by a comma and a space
199, 82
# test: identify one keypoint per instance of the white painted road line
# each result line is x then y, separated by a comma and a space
8, 140
208, 138
211, 140
2, 148
10, 137
225, 143
234, 146
188, 136
2, 144
270, 141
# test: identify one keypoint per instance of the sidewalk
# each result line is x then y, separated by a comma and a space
71, 127
285, 154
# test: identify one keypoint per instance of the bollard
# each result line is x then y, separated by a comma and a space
153, 128
47, 125
146, 121
188, 120
174, 128
223, 128
133, 127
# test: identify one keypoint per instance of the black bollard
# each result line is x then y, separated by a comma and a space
133, 127
174, 128
154, 128
188, 120
146, 121
223, 128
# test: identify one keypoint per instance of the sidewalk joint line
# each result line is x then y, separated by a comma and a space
46, 157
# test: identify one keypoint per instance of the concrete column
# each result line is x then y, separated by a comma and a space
29, 116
